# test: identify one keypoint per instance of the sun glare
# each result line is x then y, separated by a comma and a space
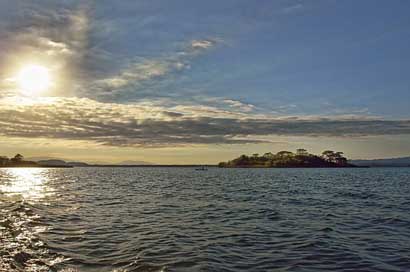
28, 183
34, 79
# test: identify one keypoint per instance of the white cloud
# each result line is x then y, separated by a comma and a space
146, 70
147, 125
202, 44
132, 75
293, 8
239, 105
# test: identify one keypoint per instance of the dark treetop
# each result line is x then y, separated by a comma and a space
289, 159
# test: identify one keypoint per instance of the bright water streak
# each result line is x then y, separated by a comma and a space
179, 219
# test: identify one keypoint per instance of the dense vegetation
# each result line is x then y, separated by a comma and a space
289, 159
16, 161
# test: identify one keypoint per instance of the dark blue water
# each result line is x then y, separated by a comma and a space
179, 219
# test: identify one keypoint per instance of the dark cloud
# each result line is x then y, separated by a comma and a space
149, 126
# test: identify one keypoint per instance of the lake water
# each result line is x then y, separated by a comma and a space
179, 219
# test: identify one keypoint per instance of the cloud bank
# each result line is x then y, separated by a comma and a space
155, 126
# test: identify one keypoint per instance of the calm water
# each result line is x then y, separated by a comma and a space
159, 219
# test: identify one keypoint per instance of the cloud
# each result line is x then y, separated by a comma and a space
132, 76
143, 125
293, 8
54, 32
70, 40
57, 38
141, 71
239, 105
202, 44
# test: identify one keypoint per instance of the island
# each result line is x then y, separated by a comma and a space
286, 159
18, 161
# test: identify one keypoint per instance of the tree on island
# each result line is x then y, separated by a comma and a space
302, 158
268, 155
301, 152
17, 159
335, 157
285, 154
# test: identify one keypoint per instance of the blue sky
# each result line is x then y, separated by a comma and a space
310, 57
208, 79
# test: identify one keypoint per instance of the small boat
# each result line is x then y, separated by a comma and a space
202, 168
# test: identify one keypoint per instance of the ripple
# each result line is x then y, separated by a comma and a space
154, 219
22, 249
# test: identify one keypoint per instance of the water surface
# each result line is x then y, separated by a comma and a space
179, 219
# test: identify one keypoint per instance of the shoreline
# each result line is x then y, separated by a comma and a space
282, 167
37, 166
195, 166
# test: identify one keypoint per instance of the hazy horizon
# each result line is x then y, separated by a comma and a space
203, 82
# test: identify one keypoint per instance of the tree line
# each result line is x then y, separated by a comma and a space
17, 160
302, 158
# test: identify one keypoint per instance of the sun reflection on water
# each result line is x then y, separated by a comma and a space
28, 183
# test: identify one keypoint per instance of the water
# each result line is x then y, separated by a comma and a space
179, 219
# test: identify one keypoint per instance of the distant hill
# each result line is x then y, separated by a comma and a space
36, 159
134, 163
396, 162
52, 162
60, 163
77, 164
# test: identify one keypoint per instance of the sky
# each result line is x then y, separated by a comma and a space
179, 82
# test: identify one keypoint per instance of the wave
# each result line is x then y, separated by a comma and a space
22, 249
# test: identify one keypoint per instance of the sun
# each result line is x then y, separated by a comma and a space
33, 79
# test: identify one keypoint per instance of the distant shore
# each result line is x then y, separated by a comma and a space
293, 167
187, 166
37, 166
282, 160
207, 166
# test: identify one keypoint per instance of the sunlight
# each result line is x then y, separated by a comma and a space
28, 183
34, 79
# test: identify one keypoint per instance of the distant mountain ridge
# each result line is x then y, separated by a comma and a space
396, 162
48, 161
134, 163
45, 158
60, 163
